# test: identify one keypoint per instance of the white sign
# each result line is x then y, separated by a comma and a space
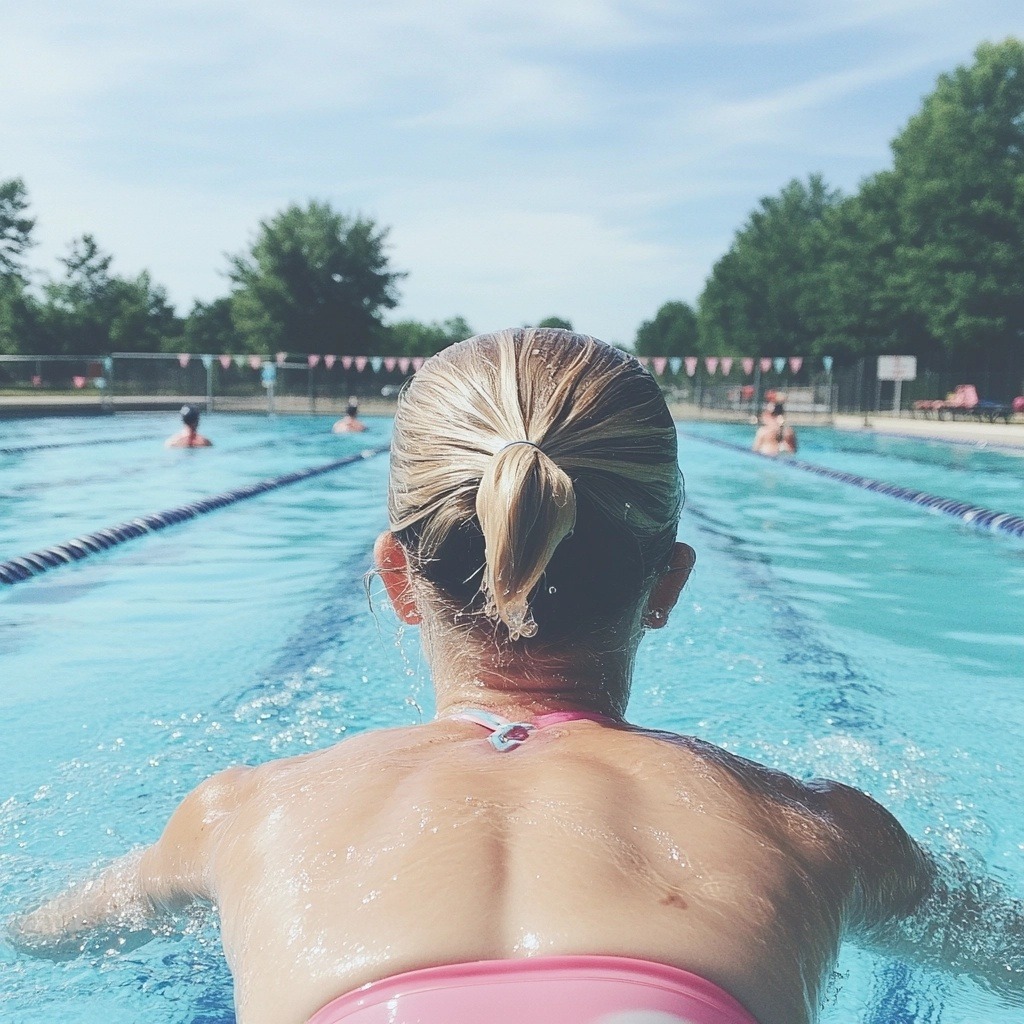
897, 367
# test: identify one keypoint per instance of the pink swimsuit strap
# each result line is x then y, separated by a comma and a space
539, 990
507, 735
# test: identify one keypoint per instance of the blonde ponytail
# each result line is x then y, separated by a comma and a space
534, 481
526, 506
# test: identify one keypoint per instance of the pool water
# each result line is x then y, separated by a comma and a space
826, 631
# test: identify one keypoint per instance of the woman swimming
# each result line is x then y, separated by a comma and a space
529, 855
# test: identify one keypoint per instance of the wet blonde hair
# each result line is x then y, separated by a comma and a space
535, 456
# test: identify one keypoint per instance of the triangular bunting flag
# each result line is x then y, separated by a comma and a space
312, 360
403, 364
346, 362
644, 361
255, 362
675, 363
711, 364
183, 358
766, 364
360, 362
660, 362
329, 361
207, 361
795, 362
390, 362
225, 361
691, 365
376, 362
779, 363
281, 357
748, 365
240, 361
417, 362
726, 365
826, 361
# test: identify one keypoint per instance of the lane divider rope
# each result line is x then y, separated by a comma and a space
15, 570
74, 444
972, 515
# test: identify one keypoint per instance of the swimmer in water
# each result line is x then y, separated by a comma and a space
350, 423
529, 855
775, 436
188, 436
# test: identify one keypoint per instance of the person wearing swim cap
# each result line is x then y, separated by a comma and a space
775, 436
528, 855
350, 423
188, 436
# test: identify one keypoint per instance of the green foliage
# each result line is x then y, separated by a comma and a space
556, 321
412, 338
760, 298
209, 327
672, 332
313, 281
15, 227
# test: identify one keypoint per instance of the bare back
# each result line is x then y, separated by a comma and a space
412, 847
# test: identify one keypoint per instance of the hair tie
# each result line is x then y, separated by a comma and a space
510, 443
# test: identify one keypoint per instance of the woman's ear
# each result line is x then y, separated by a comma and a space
393, 567
669, 586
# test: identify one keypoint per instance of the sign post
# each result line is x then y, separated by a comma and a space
897, 369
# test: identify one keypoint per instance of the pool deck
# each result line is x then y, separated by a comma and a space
1009, 435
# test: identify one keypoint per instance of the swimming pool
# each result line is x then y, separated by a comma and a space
827, 630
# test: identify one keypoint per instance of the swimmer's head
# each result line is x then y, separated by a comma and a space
778, 409
353, 408
190, 416
534, 482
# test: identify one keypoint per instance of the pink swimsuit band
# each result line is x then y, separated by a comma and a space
507, 735
539, 990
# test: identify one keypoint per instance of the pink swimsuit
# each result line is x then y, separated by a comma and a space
538, 990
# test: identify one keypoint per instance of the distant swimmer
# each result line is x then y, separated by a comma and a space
189, 436
350, 423
775, 436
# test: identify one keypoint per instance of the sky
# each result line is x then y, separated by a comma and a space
587, 159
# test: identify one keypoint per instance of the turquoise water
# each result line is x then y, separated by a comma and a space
827, 630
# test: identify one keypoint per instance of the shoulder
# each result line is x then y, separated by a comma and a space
888, 871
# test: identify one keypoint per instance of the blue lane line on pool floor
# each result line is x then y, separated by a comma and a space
972, 515
24, 567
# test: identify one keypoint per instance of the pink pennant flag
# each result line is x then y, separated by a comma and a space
225, 361
644, 361
691, 365
183, 358
390, 362
37, 380
403, 364
329, 361
417, 362
360, 362
766, 364
79, 382
255, 362
748, 365
711, 364
312, 360
660, 362
281, 357
795, 362
726, 365
346, 362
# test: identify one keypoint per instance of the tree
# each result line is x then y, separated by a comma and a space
760, 298
209, 327
89, 311
556, 321
412, 338
15, 227
313, 281
959, 169
672, 332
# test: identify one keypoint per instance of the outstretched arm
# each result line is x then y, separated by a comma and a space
127, 900
940, 914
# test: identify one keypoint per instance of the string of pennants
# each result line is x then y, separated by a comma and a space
403, 364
